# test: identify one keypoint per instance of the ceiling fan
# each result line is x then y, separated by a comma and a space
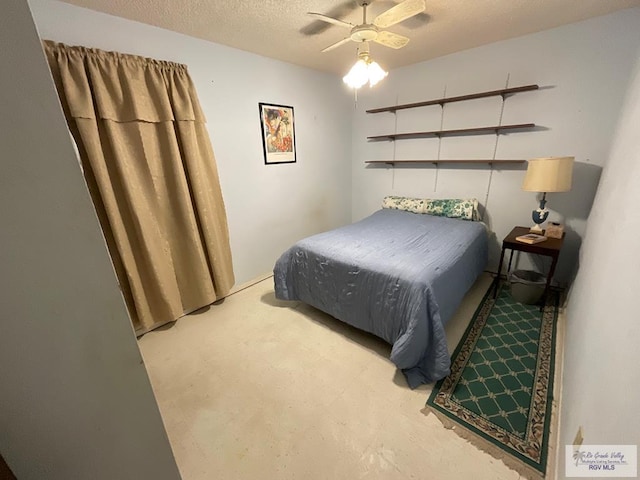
366, 32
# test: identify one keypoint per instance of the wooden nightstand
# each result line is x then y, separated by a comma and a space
550, 247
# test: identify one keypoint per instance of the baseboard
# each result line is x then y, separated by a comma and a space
236, 289
248, 284
556, 453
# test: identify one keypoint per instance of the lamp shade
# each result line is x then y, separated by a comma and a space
551, 174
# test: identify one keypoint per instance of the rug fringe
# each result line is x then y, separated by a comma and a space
496, 452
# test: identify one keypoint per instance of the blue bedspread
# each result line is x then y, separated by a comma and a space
395, 274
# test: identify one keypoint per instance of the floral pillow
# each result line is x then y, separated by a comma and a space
465, 209
415, 205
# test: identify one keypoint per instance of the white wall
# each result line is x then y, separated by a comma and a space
601, 375
75, 399
268, 207
582, 69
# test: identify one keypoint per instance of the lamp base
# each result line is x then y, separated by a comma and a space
539, 215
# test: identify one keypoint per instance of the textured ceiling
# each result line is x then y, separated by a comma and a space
282, 30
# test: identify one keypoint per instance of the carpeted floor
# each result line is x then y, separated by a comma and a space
500, 390
258, 388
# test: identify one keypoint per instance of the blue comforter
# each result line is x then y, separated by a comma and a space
395, 274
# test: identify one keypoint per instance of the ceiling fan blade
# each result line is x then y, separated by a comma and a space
400, 12
335, 21
392, 40
337, 44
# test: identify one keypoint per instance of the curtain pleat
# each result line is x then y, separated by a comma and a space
151, 171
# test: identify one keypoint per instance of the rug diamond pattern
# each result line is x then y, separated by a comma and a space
500, 387
499, 376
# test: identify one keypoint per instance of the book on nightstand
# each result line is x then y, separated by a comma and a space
531, 238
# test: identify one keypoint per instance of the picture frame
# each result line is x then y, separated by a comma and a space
278, 133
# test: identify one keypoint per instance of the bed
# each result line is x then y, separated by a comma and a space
396, 274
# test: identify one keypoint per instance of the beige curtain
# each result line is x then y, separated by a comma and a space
150, 168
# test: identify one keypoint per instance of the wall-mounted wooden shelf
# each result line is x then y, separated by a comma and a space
441, 101
435, 162
497, 129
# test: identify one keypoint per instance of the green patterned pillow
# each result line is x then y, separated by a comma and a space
415, 205
465, 209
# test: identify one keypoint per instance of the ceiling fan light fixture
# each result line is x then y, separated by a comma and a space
376, 73
358, 75
364, 71
364, 33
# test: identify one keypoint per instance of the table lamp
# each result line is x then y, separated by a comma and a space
551, 174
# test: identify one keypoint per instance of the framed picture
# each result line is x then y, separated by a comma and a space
278, 133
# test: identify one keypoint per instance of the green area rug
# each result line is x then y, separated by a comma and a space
500, 389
